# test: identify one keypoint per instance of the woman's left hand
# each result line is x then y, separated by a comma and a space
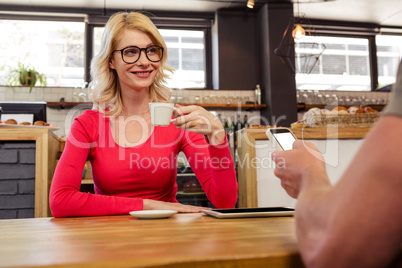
196, 119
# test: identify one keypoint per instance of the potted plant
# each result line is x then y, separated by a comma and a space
25, 75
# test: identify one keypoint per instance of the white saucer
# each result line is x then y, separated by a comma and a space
152, 214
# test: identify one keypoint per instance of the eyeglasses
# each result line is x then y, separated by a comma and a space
132, 54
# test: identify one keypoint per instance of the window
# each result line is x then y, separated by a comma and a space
344, 65
389, 54
186, 55
98, 31
55, 48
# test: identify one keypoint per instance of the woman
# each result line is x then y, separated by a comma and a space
133, 162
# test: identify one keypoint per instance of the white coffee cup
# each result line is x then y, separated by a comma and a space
161, 113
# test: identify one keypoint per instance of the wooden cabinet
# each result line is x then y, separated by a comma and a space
46, 152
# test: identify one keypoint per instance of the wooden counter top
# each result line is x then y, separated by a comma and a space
184, 240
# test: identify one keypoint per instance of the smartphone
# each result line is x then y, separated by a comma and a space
282, 136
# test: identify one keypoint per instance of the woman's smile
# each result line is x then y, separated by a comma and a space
142, 74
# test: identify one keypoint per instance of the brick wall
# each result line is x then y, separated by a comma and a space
17, 179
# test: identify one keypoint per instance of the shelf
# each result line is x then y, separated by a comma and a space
185, 174
69, 105
301, 106
232, 106
192, 194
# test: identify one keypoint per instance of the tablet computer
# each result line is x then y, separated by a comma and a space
249, 212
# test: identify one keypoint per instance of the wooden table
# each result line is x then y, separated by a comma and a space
184, 240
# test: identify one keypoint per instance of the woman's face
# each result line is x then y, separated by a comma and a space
141, 74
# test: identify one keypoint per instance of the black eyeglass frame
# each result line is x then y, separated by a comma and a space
139, 54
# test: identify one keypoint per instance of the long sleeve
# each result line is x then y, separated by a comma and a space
65, 196
214, 167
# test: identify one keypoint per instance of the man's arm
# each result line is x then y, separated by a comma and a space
358, 222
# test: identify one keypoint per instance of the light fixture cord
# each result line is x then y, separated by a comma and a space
104, 8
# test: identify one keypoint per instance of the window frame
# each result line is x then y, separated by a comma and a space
372, 50
181, 20
369, 31
92, 19
397, 32
89, 53
52, 18
208, 49
169, 20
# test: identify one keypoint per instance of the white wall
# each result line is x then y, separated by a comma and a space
337, 153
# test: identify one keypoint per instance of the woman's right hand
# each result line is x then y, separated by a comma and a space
197, 119
149, 204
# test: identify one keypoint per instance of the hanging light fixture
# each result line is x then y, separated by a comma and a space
308, 52
250, 4
298, 31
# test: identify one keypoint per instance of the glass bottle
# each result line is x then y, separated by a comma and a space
245, 121
226, 125
238, 122
233, 125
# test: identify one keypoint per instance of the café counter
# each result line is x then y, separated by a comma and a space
258, 186
16, 169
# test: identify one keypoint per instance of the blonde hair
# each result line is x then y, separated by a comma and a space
105, 82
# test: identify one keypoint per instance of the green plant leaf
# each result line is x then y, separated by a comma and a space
25, 75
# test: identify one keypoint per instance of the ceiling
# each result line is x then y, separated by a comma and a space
383, 12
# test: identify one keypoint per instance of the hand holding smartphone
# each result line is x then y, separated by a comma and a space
282, 137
